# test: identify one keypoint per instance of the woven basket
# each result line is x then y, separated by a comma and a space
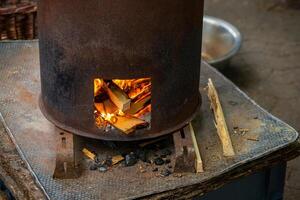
18, 19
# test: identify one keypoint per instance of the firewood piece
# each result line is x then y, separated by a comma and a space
144, 113
127, 124
136, 94
88, 154
106, 107
220, 122
137, 106
118, 97
116, 159
110, 107
199, 163
140, 80
185, 156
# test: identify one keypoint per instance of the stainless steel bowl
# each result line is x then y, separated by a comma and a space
220, 41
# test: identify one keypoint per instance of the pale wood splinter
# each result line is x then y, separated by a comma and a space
199, 163
220, 122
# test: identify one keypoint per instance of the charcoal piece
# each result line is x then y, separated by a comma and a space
97, 159
142, 155
167, 161
131, 159
159, 161
165, 172
108, 162
166, 152
93, 166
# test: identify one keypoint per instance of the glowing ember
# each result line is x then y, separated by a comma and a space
123, 104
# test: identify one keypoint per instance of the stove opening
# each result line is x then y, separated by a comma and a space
122, 104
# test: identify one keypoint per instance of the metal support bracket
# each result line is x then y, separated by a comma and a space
67, 155
185, 156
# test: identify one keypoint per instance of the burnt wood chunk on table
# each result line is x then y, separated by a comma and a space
268, 141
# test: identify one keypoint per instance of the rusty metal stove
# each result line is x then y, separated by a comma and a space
84, 40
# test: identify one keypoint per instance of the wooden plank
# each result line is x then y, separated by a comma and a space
220, 122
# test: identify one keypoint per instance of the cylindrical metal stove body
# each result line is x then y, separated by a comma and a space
119, 39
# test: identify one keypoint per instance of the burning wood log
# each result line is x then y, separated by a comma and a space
144, 112
127, 124
131, 85
137, 93
100, 107
141, 80
118, 97
106, 107
137, 106
110, 113
114, 106
220, 122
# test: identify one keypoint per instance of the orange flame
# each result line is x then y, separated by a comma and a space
135, 90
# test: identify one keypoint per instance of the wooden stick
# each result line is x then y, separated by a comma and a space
220, 122
88, 154
118, 97
199, 163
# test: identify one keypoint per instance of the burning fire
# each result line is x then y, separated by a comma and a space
122, 104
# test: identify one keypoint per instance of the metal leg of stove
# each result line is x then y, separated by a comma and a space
67, 155
185, 156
